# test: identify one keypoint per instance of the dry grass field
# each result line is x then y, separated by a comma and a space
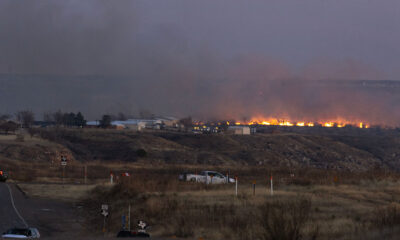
347, 206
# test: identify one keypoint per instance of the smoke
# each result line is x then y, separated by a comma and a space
260, 88
99, 56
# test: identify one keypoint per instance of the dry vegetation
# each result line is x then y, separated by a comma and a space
326, 187
352, 149
363, 207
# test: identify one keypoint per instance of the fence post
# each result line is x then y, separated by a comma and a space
272, 187
236, 189
254, 188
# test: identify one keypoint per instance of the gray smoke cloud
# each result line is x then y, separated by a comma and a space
208, 59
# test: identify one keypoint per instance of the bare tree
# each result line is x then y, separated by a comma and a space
26, 118
105, 121
48, 117
58, 117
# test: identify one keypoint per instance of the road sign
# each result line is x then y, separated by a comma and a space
63, 161
104, 210
142, 225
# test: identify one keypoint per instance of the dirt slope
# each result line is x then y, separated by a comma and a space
284, 149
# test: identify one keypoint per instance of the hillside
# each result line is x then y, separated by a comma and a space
356, 153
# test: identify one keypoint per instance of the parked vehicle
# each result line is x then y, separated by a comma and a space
3, 176
21, 233
208, 177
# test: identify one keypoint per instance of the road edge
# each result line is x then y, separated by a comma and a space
15, 208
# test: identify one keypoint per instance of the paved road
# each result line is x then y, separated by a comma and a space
9, 217
54, 219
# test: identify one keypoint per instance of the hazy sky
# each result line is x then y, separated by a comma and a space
92, 37
179, 52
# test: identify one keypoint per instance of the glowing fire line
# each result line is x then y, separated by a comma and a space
278, 122
327, 124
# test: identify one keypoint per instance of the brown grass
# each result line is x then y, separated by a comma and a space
190, 210
67, 192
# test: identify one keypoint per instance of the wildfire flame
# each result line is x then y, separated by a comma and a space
340, 123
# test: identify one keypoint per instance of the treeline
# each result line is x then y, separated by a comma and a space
26, 119
65, 119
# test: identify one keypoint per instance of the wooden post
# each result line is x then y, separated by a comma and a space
272, 186
236, 189
63, 175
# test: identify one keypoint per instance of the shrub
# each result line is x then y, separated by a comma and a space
141, 152
387, 217
285, 220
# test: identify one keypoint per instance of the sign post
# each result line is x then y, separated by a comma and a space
63, 164
104, 212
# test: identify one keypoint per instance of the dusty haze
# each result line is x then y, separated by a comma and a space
208, 59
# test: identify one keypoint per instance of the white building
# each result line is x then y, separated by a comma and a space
138, 124
239, 130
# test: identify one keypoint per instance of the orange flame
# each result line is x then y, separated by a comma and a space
339, 123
